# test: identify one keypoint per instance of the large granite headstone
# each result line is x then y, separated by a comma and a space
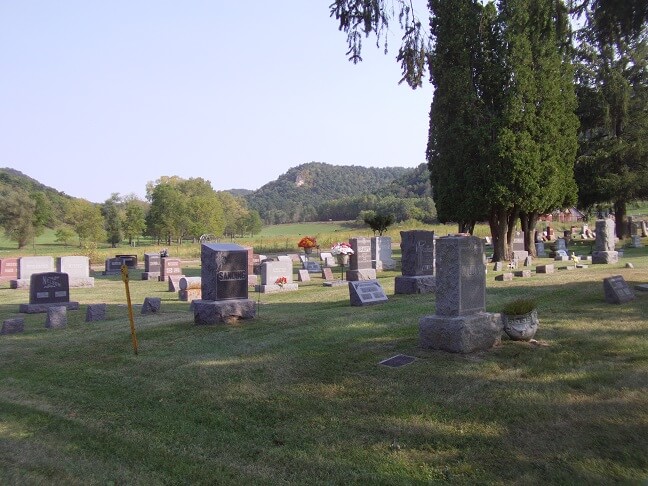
152, 266
360, 264
47, 290
366, 292
517, 243
617, 290
170, 267
8, 269
381, 253
604, 251
78, 270
129, 260
460, 324
224, 280
27, 266
271, 272
417, 265
112, 266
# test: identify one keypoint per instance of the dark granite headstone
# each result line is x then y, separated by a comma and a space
366, 292
49, 288
518, 241
313, 267
617, 290
361, 257
224, 272
152, 262
461, 280
95, 312
417, 249
129, 260
151, 305
13, 325
113, 266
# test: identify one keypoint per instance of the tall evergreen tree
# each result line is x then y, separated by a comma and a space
612, 81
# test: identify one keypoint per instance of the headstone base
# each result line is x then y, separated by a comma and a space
150, 275
274, 288
414, 284
505, 277
362, 274
545, 269
461, 334
227, 311
56, 317
189, 295
335, 283
80, 282
104, 273
21, 283
605, 257
42, 308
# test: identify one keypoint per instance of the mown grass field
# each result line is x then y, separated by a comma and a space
296, 395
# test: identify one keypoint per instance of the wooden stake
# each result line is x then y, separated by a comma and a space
124, 273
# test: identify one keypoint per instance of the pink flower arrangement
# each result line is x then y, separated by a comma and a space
341, 248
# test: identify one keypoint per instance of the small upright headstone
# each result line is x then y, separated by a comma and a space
327, 273
303, 275
604, 252
151, 305
328, 259
56, 317
224, 280
518, 241
360, 265
173, 282
13, 325
366, 292
460, 324
545, 269
499, 266
418, 263
95, 312
636, 241
617, 290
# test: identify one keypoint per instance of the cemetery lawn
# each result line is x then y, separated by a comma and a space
296, 396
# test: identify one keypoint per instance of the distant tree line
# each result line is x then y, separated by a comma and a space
176, 209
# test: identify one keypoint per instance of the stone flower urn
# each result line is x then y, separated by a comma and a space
521, 327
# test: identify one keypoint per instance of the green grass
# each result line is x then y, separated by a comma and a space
296, 395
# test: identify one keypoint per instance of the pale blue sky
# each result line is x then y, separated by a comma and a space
102, 96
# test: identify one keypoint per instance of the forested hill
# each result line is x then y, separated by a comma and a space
19, 187
296, 195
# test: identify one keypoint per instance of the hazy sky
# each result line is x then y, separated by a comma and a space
99, 97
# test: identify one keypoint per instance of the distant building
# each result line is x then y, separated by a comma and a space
571, 215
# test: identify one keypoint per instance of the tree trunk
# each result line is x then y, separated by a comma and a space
498, 221
512, 217
529, 222
620, 219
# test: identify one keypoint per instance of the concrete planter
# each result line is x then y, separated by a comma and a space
522, 327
